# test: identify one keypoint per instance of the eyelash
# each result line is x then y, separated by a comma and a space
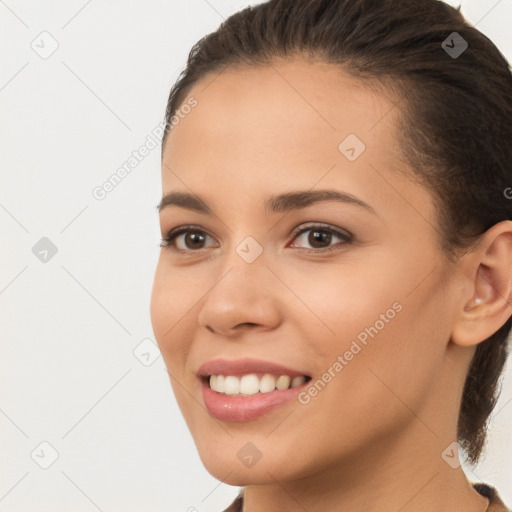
168, 242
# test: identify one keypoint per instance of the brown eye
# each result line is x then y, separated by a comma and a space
190, 239
320, 238
193, 240
185, 239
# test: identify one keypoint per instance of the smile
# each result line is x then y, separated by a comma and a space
247, 389
252, 384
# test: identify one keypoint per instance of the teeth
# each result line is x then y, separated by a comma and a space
231, 385
283, 382
267, 383
218, 382
250, 384
298, 381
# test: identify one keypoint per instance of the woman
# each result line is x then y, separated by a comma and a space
332, 298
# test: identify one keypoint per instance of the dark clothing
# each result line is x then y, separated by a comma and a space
495, 502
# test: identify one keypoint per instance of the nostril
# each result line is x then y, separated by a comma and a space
250, 324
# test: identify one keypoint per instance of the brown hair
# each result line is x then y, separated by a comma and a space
456, 119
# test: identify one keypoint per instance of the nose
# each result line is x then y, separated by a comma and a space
244, 296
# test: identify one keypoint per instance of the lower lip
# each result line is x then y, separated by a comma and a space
246, 408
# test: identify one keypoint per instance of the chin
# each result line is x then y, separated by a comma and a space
230, 474
238, 462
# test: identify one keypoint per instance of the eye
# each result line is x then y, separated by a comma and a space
321, 236
193, 239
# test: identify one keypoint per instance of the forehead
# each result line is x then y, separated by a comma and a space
254, 127
295, 108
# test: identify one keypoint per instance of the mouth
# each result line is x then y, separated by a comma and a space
253, 383
247, 389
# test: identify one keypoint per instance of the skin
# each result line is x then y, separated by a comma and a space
373, 438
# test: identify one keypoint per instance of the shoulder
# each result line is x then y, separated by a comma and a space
495, 502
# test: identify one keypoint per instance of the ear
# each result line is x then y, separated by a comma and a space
487, 302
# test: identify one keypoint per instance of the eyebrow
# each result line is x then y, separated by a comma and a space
274, 204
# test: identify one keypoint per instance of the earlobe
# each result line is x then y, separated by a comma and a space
490, 275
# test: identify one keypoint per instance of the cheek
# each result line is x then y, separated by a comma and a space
168, 310
338, 304
389, 364
389, 339
374, 388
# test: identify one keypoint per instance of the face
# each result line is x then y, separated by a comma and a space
347, 295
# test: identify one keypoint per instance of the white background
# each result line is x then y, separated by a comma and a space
69, 326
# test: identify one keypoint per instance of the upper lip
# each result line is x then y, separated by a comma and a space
245, 366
